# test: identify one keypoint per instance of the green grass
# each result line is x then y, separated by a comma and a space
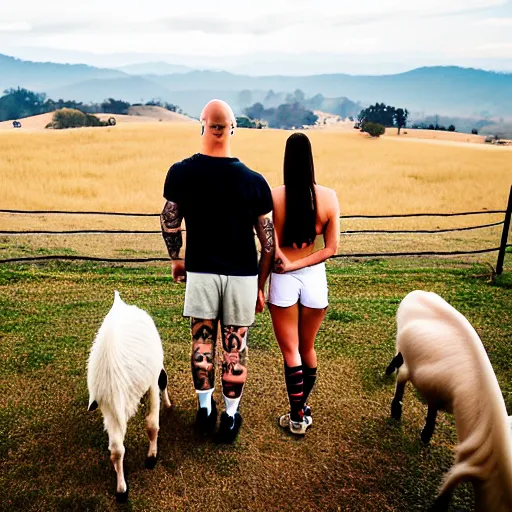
54, 456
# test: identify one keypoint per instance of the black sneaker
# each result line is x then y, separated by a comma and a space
228, 428
205, 424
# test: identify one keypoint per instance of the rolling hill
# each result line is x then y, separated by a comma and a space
44, 76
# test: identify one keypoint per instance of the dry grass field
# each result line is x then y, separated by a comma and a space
122, 168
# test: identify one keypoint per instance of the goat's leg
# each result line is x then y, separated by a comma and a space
395, 363
396, 403
162, 384
430, 423
152, 425
116, 447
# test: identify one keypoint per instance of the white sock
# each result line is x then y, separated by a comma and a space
205, 399
231, 405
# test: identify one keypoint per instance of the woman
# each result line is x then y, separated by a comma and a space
304, 214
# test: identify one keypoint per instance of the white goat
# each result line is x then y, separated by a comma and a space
126, 360
441, 354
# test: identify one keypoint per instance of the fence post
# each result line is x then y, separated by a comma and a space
504, 235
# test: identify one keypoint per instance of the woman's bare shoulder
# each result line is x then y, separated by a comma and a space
327, 195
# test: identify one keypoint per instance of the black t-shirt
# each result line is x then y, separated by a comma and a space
220, 200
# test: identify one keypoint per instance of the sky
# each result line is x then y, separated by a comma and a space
263, 37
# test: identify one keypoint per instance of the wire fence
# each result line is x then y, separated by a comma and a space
501, 248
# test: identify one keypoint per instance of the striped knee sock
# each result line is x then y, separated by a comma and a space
295, 388
309, 380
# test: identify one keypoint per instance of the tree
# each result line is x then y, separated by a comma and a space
292, 115
245, 122
378, 113
245, 98
255, 111
289, 98
400, 118
18, 103
299, 96
112, 106
474, 131
451, 128
286, 115
316, 102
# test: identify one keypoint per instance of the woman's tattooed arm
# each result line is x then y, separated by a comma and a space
170, 222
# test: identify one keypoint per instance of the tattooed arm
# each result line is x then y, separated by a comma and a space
265, 233
170, 222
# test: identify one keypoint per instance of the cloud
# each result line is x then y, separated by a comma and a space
208, 25
403, 30
496, 22
19, 26
227, 16
175, 24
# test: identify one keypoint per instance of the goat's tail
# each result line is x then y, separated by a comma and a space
395, 363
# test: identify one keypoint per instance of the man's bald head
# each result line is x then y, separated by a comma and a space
218, 122
216, 111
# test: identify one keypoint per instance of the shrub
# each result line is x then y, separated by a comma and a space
72, 118
373, 129
474, 131
245, 122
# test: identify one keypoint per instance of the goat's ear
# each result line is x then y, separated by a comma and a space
93, 406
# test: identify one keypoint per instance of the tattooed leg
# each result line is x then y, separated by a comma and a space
203, 353
234, 366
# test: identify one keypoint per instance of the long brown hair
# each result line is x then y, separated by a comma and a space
299, 181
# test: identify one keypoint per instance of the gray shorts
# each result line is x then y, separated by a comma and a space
230, 298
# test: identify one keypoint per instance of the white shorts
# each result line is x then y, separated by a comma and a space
307, 285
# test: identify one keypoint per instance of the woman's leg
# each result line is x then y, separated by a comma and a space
285, 323
310, 320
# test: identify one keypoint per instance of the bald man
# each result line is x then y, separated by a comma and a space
223, 202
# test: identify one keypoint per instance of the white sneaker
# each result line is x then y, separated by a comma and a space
299, 428
284, 420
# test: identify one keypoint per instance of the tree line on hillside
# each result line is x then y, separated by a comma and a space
440, 127
341, 106
19, 103
171, 107
286, 115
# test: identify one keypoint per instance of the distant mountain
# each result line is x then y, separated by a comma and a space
442, 90
134, 89
448, 91
42, 76
154, 68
